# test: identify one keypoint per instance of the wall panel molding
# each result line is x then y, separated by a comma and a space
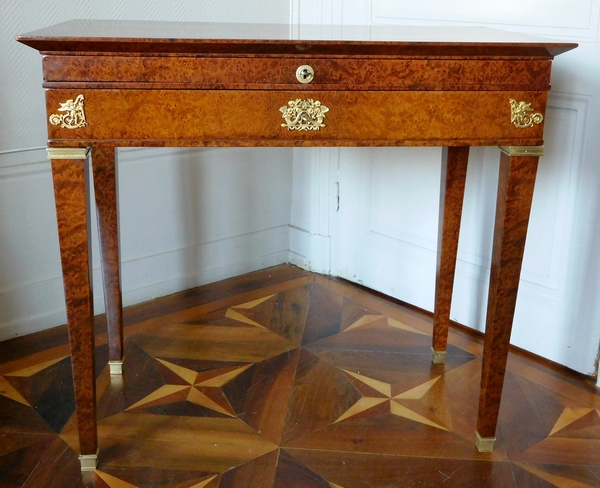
553, 210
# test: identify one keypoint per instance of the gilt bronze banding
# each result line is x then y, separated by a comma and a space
523, 150
68, 152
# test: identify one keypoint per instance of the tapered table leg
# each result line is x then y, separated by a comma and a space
518, 167
454, 173
69, 173
105, 188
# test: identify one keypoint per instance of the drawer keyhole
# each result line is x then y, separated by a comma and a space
305, 74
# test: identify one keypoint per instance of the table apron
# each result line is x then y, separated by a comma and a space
350, 118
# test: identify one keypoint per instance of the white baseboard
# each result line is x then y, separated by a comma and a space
310, 251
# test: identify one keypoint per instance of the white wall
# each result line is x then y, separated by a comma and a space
377, 240
188, 216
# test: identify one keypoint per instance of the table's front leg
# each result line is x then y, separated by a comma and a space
518, 167
69, 173
454, 173
105, 188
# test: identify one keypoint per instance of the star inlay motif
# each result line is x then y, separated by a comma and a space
368, 321
114, 482
571, 415
235, 314
201, 388
9, 391
378, 399
10, 382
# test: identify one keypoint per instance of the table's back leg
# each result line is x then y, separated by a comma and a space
518, 167
454, 173
105, 188
69, 173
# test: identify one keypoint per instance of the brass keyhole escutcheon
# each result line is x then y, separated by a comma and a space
305, 74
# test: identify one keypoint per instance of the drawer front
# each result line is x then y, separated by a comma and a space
334, 74
280, 118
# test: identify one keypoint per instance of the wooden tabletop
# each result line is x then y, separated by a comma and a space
193, 37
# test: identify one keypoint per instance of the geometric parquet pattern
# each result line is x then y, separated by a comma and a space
283, 378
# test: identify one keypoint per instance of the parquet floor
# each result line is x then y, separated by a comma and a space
282, 378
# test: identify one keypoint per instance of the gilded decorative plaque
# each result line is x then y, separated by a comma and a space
74, 118
521, 116
304, 114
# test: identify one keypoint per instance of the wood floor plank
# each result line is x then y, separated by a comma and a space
244, 345
57, 467
354, 470
324, 390
166, 442
552, 381
561, 450
257, 472
294, 474
19, 454
266, 404
16, 417
324, 314
563, 476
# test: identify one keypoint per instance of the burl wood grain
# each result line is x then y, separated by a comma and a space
330, 73
515, 194
72, 208
105, 188
252, 117
454, 174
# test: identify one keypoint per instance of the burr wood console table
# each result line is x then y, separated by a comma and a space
113, 84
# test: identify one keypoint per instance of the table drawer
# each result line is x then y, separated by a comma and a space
265, 72
231, 117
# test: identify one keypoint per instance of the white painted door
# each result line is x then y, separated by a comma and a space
384, 235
